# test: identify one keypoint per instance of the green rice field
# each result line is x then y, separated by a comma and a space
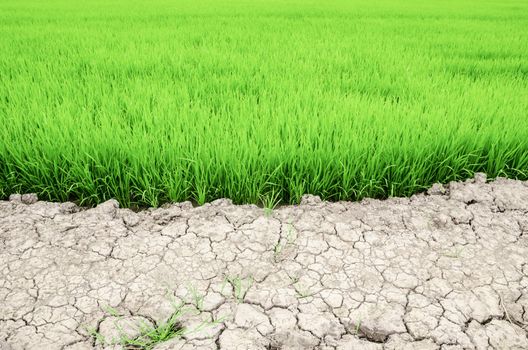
259, 101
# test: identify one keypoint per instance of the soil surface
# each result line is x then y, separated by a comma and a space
447, 269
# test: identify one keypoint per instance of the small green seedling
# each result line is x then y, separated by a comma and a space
270, 202
357, 328
99, 338
206, 324
149, 335
197, 298
240, 286
294, 280
111, 311
277, 249
302, 292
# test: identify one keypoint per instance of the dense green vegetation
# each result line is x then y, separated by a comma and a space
258, 101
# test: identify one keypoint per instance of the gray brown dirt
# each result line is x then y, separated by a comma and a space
447, 269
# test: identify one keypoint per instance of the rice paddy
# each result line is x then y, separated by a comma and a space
258, 101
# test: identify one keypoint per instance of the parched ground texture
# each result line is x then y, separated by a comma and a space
447, 269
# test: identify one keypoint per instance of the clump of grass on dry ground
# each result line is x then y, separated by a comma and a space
258, 101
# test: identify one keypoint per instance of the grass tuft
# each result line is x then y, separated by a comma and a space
151, 335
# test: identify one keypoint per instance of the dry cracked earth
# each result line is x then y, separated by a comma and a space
446, 269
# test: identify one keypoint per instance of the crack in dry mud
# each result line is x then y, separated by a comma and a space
445, 269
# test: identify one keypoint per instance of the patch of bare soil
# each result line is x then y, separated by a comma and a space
447, 269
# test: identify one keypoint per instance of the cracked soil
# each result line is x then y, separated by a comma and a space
446, 269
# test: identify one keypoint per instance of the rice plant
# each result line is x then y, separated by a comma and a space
258, 101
